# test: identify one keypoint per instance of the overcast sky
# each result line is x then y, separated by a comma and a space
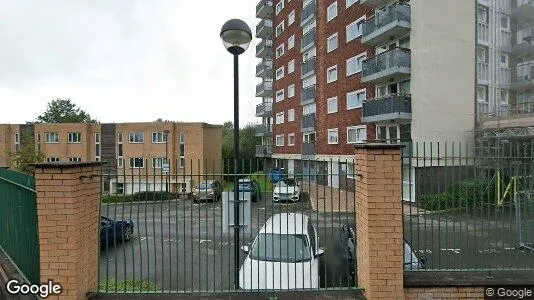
124, 60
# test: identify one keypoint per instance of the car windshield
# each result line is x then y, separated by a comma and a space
204, 186
287, 183
289, 248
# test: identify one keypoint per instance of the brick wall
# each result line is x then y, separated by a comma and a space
68, 211
444, 293
343, 118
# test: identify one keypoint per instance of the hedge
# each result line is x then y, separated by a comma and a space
141, 196
471, 193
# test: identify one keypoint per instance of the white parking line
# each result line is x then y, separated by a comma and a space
455, 250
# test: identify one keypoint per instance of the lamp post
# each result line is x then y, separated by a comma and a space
166, 133
236, 37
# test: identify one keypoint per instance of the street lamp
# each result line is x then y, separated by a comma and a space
236, 37
166, 132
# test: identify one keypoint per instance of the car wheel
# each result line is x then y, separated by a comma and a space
127, 233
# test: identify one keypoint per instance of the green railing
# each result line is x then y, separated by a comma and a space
18, 221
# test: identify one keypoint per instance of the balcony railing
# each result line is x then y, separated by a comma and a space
308, 12
264, 8
264, 49
264, 129
308, 148
264, 29
308, 67
392, 107
525, 42
263, 88
308, 39
264, 109
524, 78
308, 121
264, 150
389, 23
265, 67
385, 66
308, 93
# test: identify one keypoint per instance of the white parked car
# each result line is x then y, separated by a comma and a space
287, 189
283, 256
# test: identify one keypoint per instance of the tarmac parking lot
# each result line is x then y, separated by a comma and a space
179, 245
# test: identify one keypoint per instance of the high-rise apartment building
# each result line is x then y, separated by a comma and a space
335, 73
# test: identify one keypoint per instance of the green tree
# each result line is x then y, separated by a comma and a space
64, 111
23, 158
247, 148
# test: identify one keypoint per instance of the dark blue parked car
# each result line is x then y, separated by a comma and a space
112, 231
252, 186
277, 174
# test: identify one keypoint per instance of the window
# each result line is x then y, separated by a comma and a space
17, 142
354, 64
280, 95
291, 91
505, 22
331, 12
504, 97
51, 137
280, 51
308, 137
137, 162
52, 159
158, 162
350, 171
291, 66
120, 188
355, 29
280, 140
482, 93
332, 43
482, 14
348, 3
280, 118
97, 146
182, 150
120, 162
280, 28
291, 115
120, 151
308, 109
331, 74
504, 60
74, 137
291, 18
291, 42
159, 137
356, 134
280, 73
74, 159
332, 105
137, 137
291, 139
482, 54
119, 137
332, 136
279, 6
38, 142
355, 99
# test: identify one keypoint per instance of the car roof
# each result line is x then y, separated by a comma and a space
245, 180
286, 223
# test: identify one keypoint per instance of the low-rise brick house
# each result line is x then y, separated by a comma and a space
135, 153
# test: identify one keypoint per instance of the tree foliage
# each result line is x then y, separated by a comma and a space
64, 111
247, 148
25, 156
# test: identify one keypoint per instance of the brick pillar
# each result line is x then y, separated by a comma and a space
379, 228
68, 197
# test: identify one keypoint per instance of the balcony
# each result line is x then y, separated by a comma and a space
388, 66
308, 148
264, 150
524, 10
308, 68
264, 9
308, 95
264, 69
308, 13
387, 25
264, 89
524, 79
264, 130
264, 29
308, 123
264, 49
308, 40
265, 109
374, 3
525, 42
391, 108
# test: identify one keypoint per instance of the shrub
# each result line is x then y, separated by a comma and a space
465, 194
140, 196
114, 199
437, 202
112, 285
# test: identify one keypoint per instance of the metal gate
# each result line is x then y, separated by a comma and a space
524, 209
294, 233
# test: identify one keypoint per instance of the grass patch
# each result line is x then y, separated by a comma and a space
262, 178
140, 196
112, 285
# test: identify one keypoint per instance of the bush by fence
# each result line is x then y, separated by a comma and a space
141, 196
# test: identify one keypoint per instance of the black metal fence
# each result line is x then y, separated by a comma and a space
170, 229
